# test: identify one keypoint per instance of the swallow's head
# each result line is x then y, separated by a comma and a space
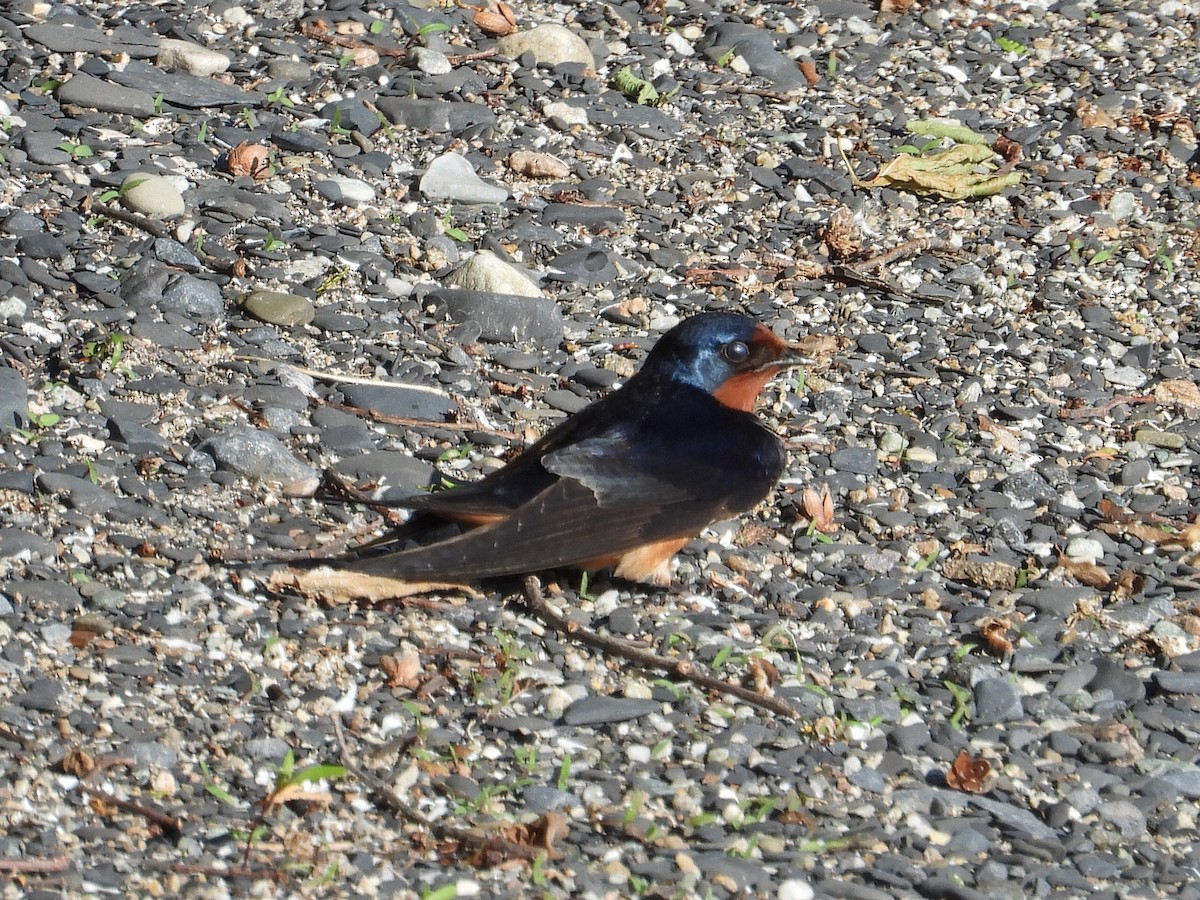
730, 356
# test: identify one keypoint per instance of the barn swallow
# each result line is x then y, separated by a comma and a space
628, 480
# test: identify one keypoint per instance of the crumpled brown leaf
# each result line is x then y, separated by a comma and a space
954, 173
334, 586
971, 774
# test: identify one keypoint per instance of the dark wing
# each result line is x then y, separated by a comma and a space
607, 499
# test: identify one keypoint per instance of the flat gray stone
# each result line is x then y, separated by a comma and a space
262, 456
182, 89
64, 38
85, 90
452, 177
14, 398
439, 116
600, 710
504, 317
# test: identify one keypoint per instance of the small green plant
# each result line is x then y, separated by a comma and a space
378, 27
1100, 256
110, 350
913, 150
1162, 259
272, 243
639, 90
926, 561
633, 807
564, 772
584, 584
215, 789
746, 851
202, 134
1008, 45
726, 58
445, 892
962, 703
77, 149
725, 657
831, 66
44, 420
451, 231
280, 96
526, 757
431, 28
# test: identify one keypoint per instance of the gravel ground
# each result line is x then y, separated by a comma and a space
242, 246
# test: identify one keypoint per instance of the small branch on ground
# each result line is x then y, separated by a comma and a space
679, 668
1103, 409
36, 865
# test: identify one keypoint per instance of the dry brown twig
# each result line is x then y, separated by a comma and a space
679, 668
37, 865
468, 837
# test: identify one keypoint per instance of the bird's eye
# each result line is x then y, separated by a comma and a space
736, 351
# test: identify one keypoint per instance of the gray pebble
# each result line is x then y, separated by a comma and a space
260, 455
602, 710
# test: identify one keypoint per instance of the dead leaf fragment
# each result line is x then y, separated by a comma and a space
842, 235
296, 791
1085, 573
78, 763
249, 159
538, 165
818, 507
336, 587
402, 669
1092, 116
970, 774
992, 574
497, 20
1179, 392
956, 173
1128, 584
994, 633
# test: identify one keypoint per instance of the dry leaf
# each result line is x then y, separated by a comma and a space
984, 574
78, 763
349, 26
336, 587
538, 165
1085, 573
818, 507
1092, 116
524, 842
808, 69
497, 20
765, 674
994, 633
842, 235
952, 173
1142, 531
1005, 440
1179, 392
972, 774
248, 159
402, 670
295, 791
365, 57
1128, 584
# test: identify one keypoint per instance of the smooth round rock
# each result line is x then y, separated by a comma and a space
152, 195
279, 308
